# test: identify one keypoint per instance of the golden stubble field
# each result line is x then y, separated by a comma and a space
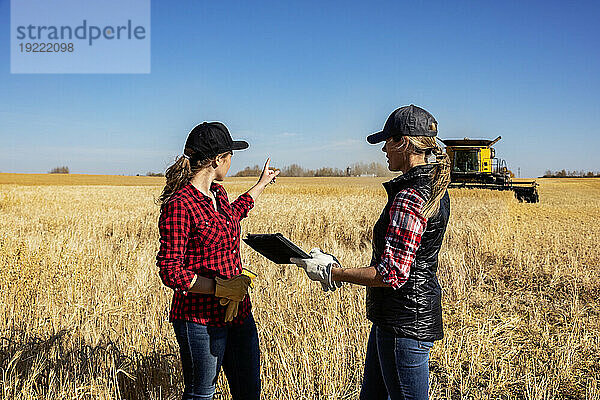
83, 313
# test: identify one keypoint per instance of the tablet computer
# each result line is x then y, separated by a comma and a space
275, 247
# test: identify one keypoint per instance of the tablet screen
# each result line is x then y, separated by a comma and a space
275, 247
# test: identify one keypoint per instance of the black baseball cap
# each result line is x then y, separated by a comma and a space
210, 139
406, 121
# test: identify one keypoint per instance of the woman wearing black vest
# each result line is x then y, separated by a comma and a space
403, 293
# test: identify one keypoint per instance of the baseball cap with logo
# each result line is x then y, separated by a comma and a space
210, 139
406, 121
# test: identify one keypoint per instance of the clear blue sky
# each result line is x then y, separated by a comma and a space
306, 82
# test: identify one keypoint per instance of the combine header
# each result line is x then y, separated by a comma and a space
474, 165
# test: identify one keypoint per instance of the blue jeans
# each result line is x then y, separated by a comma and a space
396, 368
204, 349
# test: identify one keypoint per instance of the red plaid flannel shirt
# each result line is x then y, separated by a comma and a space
197, 239
402, 238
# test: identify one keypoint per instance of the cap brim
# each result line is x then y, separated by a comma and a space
239, 145
378, 137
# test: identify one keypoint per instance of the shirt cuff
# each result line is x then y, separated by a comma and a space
247, 199
390, 276
187, 281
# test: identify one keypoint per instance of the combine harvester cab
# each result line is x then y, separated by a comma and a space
474, 165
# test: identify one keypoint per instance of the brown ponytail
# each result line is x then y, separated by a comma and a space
441, 171
181, 172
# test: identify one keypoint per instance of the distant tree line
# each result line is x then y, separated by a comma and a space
59, 170
357, 169
571, 174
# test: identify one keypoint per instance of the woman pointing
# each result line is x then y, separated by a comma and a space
199, 259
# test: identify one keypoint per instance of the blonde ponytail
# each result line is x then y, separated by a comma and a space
441, 172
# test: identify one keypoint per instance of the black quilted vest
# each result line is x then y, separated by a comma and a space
414, 310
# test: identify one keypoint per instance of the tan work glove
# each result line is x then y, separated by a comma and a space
232, 291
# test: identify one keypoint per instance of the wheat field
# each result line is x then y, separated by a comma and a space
84, 315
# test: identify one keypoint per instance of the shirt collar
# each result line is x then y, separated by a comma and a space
214, 187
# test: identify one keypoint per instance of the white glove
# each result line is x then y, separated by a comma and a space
318, 268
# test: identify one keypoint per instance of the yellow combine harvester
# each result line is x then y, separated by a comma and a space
474, 165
